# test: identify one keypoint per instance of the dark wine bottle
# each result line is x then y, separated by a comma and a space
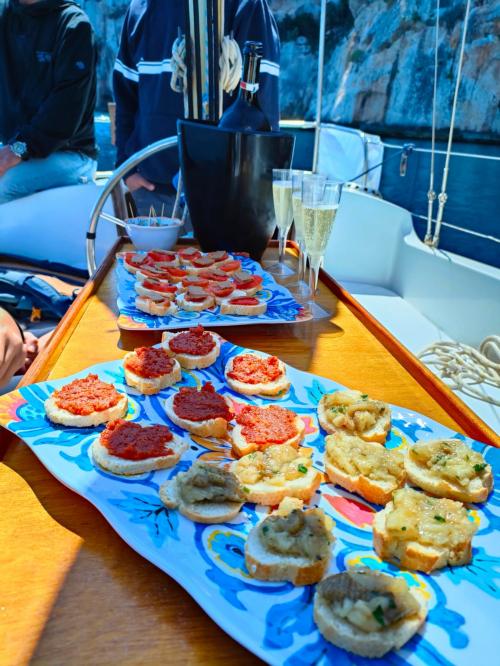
245, 113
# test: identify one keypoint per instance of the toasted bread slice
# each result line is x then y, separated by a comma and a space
265, 563
193, 361
152, 293
274, 387
226, 307
455, 471
344, 634
201, 511
151, 385
210, 428
407, 548
383, 469
124, 467
292, 474
158, 308
343, 411
195, 306
242, 446
67, 418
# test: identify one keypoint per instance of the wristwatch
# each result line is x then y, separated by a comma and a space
20, 149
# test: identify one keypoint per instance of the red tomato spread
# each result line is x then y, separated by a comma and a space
244, 300
85, 396
267, 425
156, 285
135, 442
150, 362
252, 369
176, 272
194, 405
229, 266
196, 342
161, 255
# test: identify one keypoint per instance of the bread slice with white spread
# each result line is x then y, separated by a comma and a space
449, 468
290, 545
368, 612
257, 307
205, 493
424, 533
365, 468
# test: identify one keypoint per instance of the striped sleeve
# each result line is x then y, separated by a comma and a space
255, 21
125, 89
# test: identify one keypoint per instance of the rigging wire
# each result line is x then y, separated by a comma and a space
431, 194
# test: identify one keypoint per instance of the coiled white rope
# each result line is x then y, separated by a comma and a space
230, 63
465, 368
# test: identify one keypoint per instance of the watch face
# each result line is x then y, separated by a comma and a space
19, 148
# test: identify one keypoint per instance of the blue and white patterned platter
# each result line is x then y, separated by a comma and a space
273, 620
282, 308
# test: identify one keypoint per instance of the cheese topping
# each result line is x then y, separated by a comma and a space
415, 516
353, 411
275, 465
449, 459
356, 457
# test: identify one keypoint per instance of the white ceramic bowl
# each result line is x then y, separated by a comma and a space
148, 237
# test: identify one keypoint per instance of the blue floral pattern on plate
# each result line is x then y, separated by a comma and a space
274, 620
281, 306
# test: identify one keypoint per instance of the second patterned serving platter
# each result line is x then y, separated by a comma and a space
273, 620
282, 308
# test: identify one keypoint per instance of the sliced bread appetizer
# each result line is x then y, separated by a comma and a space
148, 272
133, 261
126, 448
86, 402
253, 374
205, 493
223, 290
248, 282
230, 266
193, 281
150, 369
259, 427
368, 612
449, 468
163, 258
200, 264
213, 274
195, 299
157, 290
158, 308
203, 412
354, 412
243, 305
277, 472
365, 468
290, 545
175, 274
419, 532
194, 348
218, 256
187, 254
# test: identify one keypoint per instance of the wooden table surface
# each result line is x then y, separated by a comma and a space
72, 592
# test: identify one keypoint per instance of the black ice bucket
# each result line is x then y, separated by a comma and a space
228, 184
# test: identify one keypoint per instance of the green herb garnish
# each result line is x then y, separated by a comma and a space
404, 529
265, 529
479, 467
302, 469
392, 603
364, 396
338, 410
245, 489
378, 614
440, 519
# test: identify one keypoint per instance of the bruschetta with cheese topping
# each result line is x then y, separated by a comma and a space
356, 413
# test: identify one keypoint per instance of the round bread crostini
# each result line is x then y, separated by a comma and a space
194, 348
187, 254
230, 267
259, 427
132, 261
158, 308
203, 412
218, 256
195, 299
163, 258
157, 290
252, 374
243, 306
247, 282
175, 274
213, 275
151, 369
148, 272
224, 290
127, 448
199, 264
193, 281
85, 402
355, 413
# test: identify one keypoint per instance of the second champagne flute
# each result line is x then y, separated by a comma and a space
282, 196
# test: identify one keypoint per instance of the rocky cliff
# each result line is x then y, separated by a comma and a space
379, 62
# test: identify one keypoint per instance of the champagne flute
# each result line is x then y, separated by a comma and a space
320, 202
282, 196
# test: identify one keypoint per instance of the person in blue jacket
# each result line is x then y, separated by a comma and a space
147, 108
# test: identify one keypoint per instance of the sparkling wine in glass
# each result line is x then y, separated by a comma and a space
282, 196
320, 202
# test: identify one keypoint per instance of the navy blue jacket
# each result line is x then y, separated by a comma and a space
146, 107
